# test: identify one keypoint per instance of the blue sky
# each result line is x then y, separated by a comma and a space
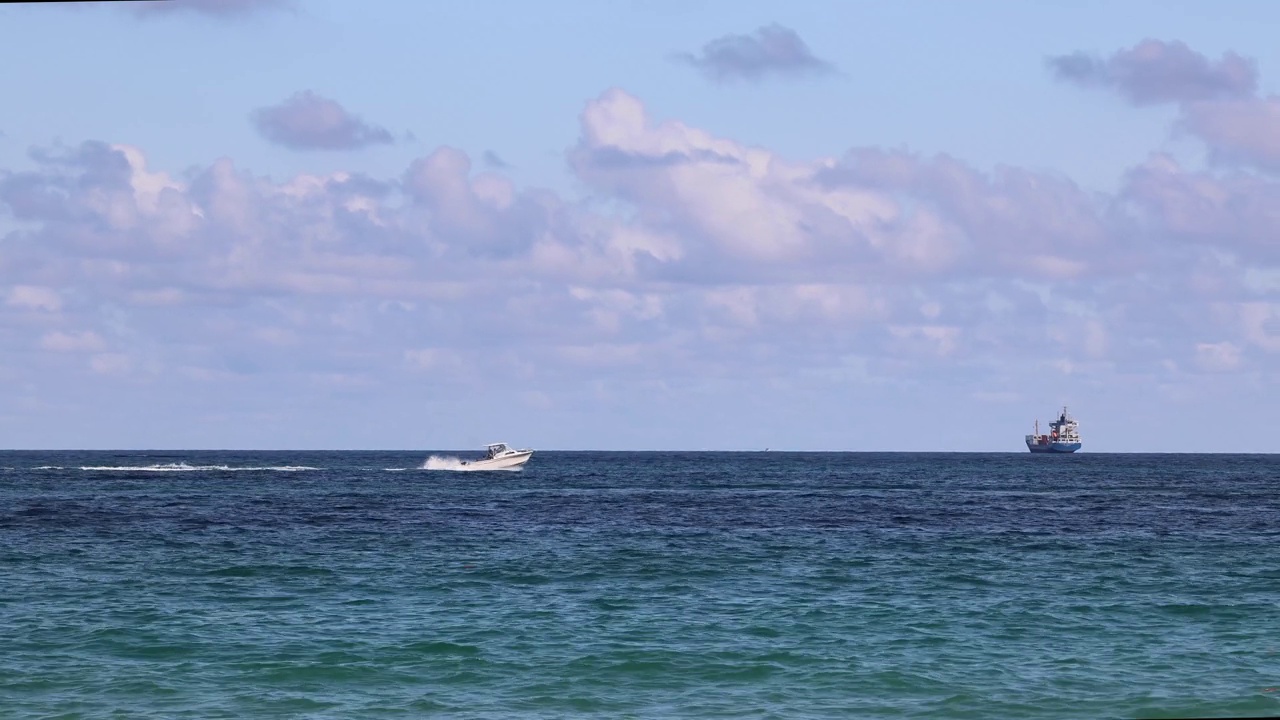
643, 224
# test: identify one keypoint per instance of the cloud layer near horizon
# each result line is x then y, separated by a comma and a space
691, 256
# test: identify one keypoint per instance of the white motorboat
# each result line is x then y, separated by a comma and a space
499, 457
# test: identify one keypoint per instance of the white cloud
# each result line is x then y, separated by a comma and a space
34, 297
1261, 321
690, 259
1218, 357
84, 341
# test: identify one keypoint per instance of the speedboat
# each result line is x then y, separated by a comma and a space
499, 457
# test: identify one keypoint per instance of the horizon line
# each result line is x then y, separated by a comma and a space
648, 450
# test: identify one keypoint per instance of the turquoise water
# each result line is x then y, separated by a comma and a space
646, 585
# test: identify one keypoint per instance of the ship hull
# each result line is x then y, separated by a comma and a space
503, 462
1056, 447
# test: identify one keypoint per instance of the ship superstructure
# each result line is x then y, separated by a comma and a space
1063, 436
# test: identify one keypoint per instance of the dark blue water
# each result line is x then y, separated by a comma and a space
691, 585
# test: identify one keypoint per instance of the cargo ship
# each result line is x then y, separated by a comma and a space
1063, 436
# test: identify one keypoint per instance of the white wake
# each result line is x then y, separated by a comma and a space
448, 462
184, 467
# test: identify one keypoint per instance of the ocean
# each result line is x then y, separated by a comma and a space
638, 585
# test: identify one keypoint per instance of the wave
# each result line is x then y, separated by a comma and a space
444, 462
448, 462
184, 467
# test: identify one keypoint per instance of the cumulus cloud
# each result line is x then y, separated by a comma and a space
770, 51
1238, 132
747, 242
1234, 212
307, 121
1217, 100
1013, 220
1155, 71
690, 259
734, 211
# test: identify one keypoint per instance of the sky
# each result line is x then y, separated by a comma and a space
643, 224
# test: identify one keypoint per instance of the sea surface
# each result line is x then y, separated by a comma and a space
638, 585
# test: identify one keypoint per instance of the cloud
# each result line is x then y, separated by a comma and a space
307, 121
215, 8
1217, 100
1233, 212
110, 364
1223, 356
743, 212
72, 342
34, 297
1154, 72
1238, 132
772, 50
494, 162
1261, 323
692, 266
1012, 220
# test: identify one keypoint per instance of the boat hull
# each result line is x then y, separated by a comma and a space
1054, 447
506, 462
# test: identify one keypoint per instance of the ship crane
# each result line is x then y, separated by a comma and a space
1063, 436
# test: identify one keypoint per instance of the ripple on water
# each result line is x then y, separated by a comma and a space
798, 586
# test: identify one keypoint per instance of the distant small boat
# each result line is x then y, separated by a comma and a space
500, 457
1063, 437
